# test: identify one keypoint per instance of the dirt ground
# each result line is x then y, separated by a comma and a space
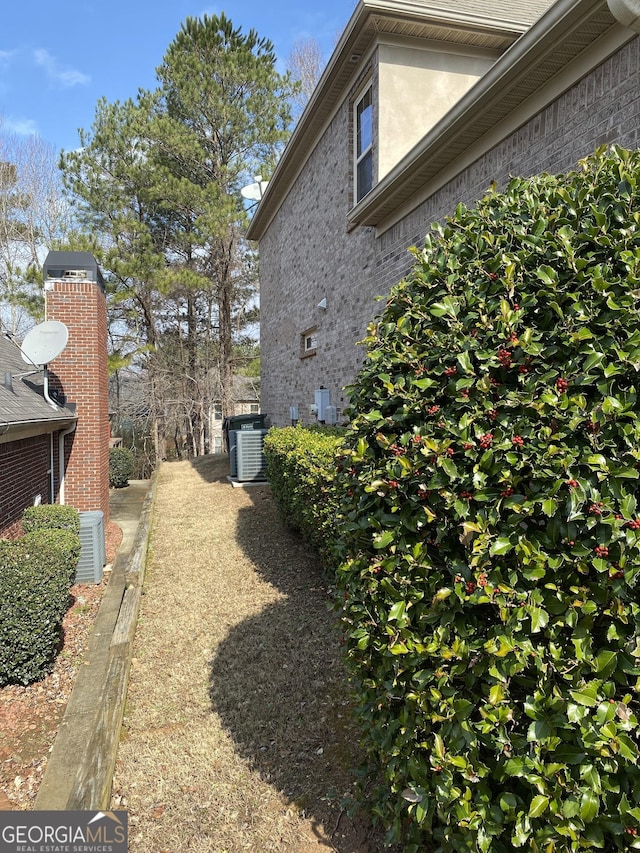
237, 733
30, 716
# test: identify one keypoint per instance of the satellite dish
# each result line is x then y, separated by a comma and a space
254, 192
44, 342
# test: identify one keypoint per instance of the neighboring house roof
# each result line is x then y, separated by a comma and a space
246, 389
538, 41
23, 409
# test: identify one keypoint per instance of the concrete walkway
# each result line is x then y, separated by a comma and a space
125, 509
80, 769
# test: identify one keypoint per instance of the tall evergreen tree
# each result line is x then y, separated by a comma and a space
159, 180
222, 115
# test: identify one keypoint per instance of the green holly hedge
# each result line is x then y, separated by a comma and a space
490, 524
301, 471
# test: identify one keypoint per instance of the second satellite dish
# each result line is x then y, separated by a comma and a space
254, 192
44, 342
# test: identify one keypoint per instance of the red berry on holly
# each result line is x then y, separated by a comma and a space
486, 440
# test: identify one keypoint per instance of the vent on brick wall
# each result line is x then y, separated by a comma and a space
92, 547
75, 275
250, 461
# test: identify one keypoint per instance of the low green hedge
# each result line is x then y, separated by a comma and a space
36, 573
121, 466
301, 467
51, 517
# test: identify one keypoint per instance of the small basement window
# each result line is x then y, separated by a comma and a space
308, 342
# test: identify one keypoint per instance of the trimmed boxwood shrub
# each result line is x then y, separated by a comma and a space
36, 574
50, 517
301, 469
121, 465
490, 524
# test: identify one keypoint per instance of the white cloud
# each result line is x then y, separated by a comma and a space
20, 126
66, 77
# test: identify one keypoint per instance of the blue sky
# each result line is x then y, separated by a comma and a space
58, 58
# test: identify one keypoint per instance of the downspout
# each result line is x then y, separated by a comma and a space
626, 12
52, 481
61, 467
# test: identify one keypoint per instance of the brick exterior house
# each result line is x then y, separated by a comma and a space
557, 85
57, 451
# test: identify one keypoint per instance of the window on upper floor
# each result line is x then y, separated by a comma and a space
363, 121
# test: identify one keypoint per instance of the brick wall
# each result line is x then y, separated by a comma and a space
309, 254
24, 467
80, 372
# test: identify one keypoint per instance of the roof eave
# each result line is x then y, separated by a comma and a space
18, 430
358, 35
485, 103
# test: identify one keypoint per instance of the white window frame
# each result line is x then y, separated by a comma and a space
362, 154
309, 342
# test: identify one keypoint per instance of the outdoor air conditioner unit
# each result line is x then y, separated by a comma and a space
250, 461
92, 547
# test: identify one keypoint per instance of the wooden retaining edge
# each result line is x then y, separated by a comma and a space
79, 773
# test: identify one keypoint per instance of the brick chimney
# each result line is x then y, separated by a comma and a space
75, 296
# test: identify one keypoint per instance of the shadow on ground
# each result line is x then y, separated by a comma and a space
279, 685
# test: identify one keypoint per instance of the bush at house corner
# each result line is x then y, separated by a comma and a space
121, 466
490, 524
51, 517
36, 574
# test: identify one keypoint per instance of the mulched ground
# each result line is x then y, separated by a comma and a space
30, 716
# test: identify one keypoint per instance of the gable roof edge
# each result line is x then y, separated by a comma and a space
461, 124
358, 35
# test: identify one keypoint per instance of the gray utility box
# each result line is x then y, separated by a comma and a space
246, 458
93, 551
